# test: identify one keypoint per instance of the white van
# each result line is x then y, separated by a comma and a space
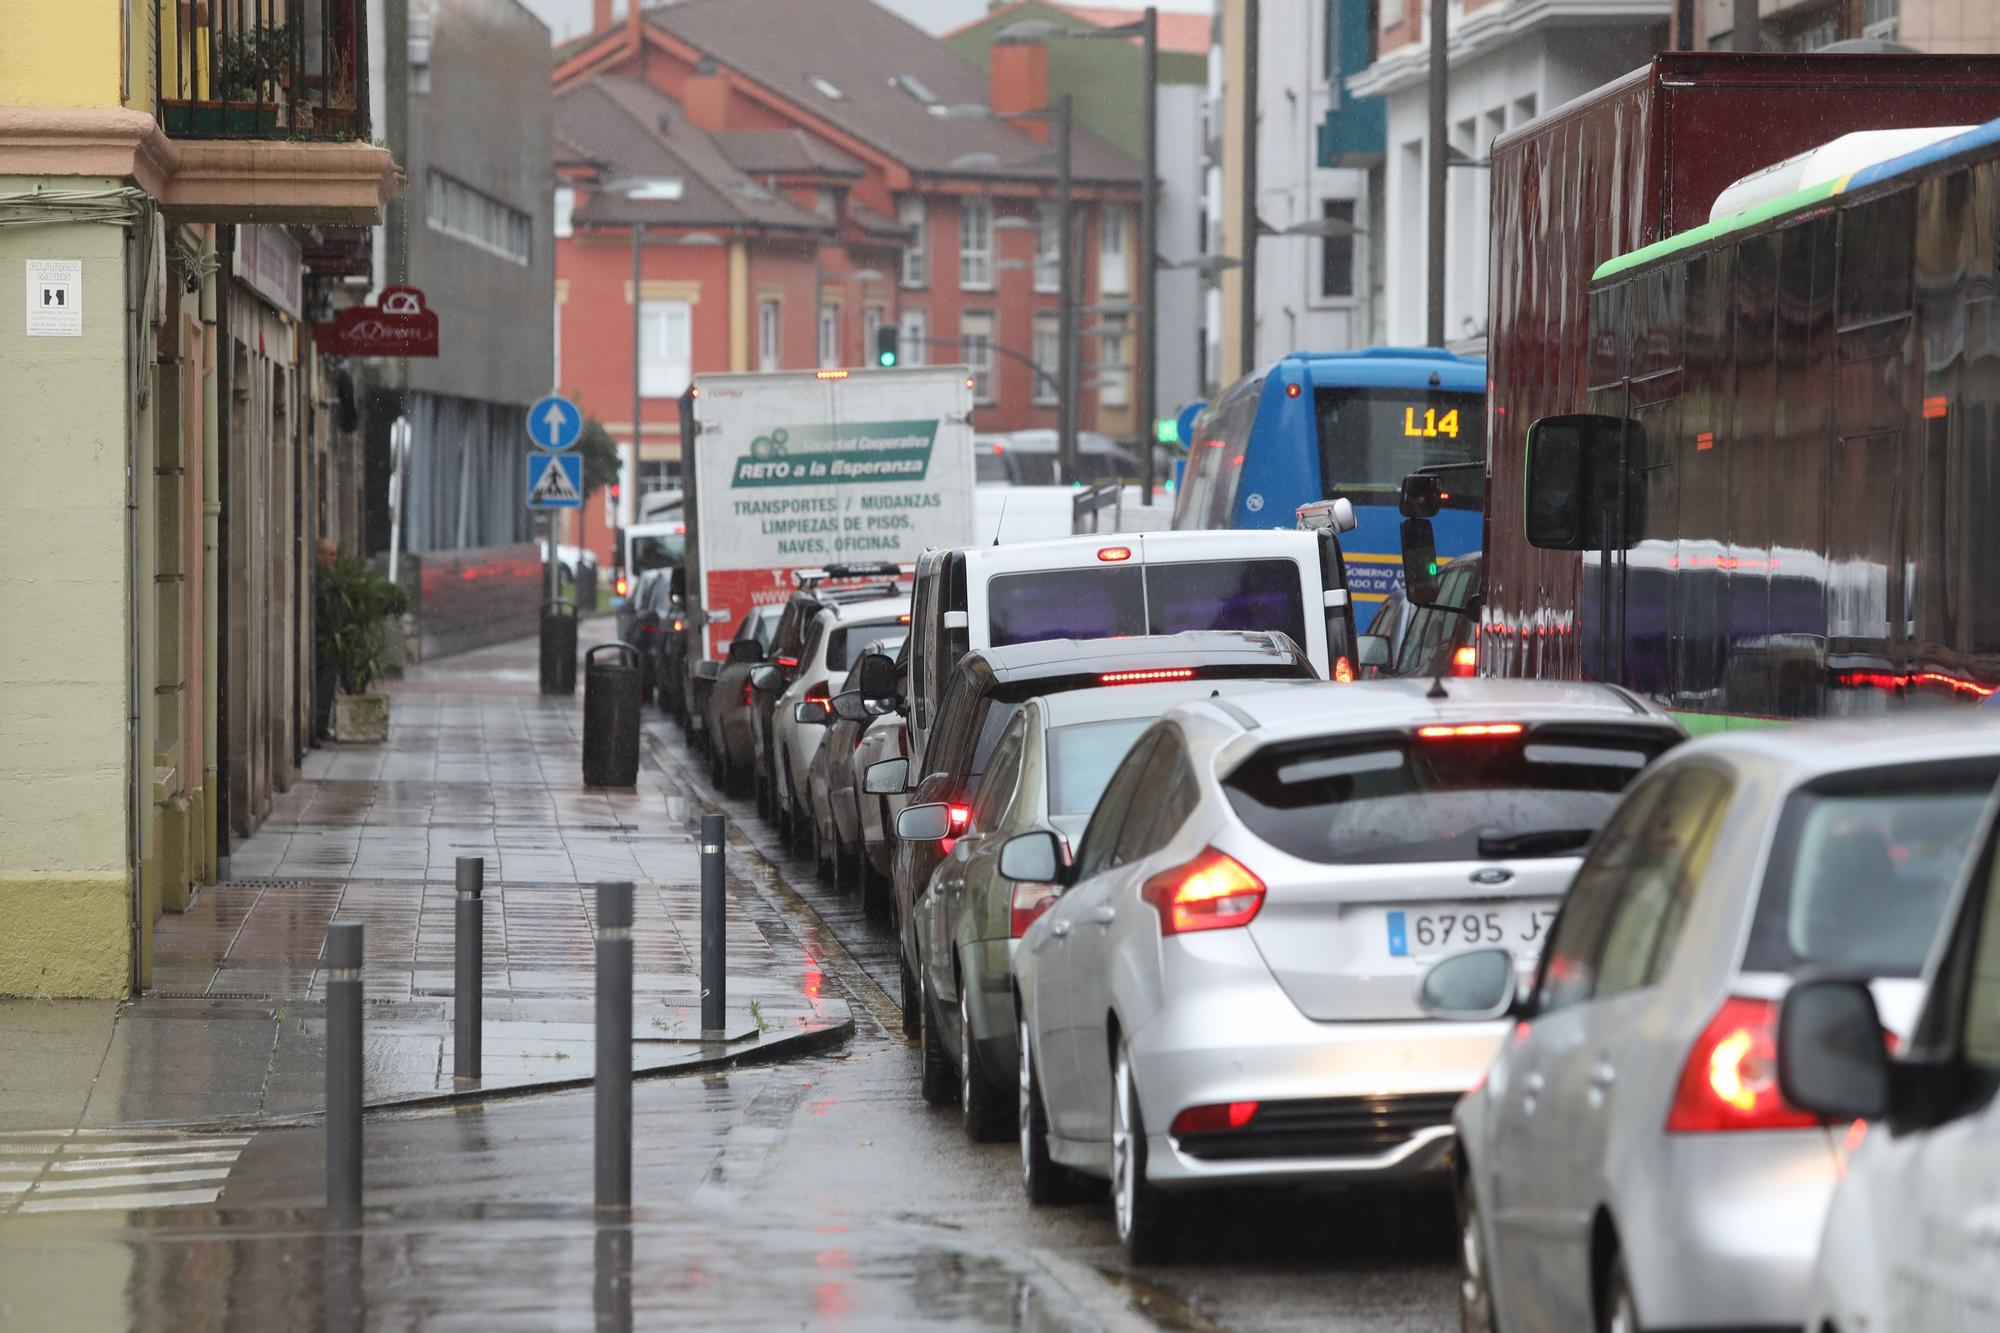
1098, 587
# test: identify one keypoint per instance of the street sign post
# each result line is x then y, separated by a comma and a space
554, 422
555, 481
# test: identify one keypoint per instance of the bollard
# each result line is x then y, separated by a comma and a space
714, 945
614, 1045
467, 968
612, 1289
343, 1073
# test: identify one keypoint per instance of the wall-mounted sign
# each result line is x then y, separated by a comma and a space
399, 324
55, 298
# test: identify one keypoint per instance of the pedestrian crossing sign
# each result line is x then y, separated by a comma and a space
555, 481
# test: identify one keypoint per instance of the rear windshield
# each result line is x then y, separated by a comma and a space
657, 552
1393, 798
1370, 439
1107, 601
1862, 869
1082, 759
844, 649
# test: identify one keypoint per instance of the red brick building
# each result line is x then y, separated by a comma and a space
798, 183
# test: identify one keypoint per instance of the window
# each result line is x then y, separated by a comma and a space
1112, 279
916, 260
1114, 359
1156, 815
456, 209
1081, 758
975, 245
1336, 253
1094, 850
1048, 247
665, 348
1330, 53
871, 324
770, 333
1107, 601
1981, 1020
976, 334
829, 337
1003, 778
913, 340
1048, 357
565, 210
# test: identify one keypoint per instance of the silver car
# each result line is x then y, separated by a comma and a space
1630, 1160
1225, 991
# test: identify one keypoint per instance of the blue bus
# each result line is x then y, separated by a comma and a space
1314, 425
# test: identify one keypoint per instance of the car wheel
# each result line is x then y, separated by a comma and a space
1044, 1180
1146, 1216
1475, 1293
1619, 1313
982, 1108
939, 1081
913, 1025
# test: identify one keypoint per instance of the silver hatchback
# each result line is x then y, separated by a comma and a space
1630, 1160
1224, 992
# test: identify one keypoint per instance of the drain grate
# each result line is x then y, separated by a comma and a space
211, 995
274, 884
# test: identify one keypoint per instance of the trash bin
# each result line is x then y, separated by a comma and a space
611, 716
559, 648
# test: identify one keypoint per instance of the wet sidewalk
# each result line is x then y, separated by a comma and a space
477, 764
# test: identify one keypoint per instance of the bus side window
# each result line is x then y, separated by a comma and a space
1234, 420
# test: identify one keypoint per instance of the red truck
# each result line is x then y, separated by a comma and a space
1638, 160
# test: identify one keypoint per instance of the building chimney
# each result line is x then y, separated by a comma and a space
1019, 81
705, 98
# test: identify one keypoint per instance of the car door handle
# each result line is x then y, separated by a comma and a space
1531, 1096
1602, 1076
1059, 929
1104, 916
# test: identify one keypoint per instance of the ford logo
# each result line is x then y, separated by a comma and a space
1491, 875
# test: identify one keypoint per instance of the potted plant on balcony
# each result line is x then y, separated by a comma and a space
248, 76
352, 611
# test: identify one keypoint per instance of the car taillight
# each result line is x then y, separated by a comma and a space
961, 818
1145, 677
786, 662
1469, 731
1464, 661
820, 693
679, 625
649, 630
747, 691
1114, 554
621, 586
1216, 1119
1211, 892
1343, 671
1730, 1080
1030, 900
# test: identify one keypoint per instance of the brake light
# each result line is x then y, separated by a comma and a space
789, 662
1464, 660
902, 620
1115, 553
961, 818
1146, 677
1730, 1080
1469, 730
746, 691
821, 693
649, 630
1029, 902
620, 586
1216, 1119
1343, 671
1211, 892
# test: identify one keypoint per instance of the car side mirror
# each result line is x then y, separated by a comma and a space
924, 823
1833, 1059
887, 777
766, 679
743, 651
812, 712
707, 669
1572, 489
1034, 857
1372, 650
877, 680
849, 706
1470, 987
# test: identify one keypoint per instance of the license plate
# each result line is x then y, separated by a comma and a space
1438, 929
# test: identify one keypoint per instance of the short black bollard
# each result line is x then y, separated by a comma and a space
558, 674
467, 967
714, 944
614, 1045
343, 1073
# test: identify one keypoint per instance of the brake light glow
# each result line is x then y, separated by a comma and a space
679, 625
903, 619
1464, 660
1145, 677
1115, 553
620, 586
789, 662
1216, 1119
1469, 730
1028, 903
961, 818
1211, 892
746, 691
830, 374
820, 694
1730, 1080
1343, 670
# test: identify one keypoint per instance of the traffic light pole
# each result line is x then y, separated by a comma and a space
1149, 246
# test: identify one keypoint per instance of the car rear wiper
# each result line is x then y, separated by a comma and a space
1535, 842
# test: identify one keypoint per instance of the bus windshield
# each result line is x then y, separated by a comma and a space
1370, 439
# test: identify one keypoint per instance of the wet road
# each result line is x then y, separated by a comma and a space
822, 1193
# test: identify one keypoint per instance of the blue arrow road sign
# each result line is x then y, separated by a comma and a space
555, 481
554, 422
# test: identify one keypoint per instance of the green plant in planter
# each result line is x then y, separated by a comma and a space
352, 612
250, 61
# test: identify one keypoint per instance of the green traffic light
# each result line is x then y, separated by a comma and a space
1433, 567
885, 358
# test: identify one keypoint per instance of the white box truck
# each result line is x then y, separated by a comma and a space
795, 470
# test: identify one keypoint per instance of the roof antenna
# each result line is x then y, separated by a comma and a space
1437, 690
1003, 519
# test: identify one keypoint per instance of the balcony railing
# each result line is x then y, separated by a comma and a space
263, 69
